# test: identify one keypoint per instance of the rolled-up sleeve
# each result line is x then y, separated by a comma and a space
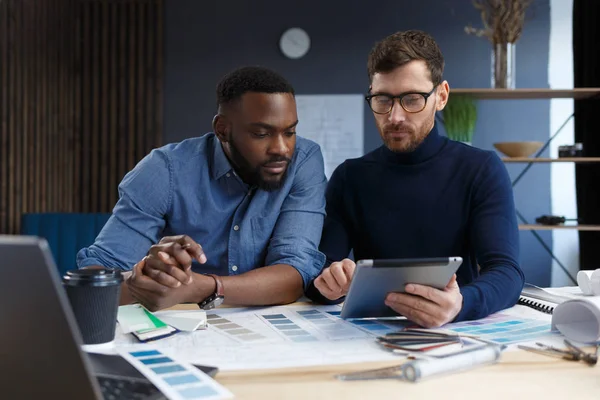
297, 233
138, 218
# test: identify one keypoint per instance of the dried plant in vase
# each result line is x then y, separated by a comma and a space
503, 22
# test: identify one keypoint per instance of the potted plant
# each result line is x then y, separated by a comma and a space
459, 116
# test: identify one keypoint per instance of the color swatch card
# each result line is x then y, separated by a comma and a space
375, 327
234, 330
288, 329
134, 317
143, 324
329, 326
175, 379
503, 329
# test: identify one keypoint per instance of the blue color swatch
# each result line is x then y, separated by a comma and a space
376, 328
274, 316
189, 384
145, 353
158, 360
309, 312
198, 392
168, 369
288, 328
503, 329
181, 379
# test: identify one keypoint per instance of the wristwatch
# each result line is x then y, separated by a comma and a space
215, 299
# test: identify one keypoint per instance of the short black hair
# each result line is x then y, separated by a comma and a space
250, 79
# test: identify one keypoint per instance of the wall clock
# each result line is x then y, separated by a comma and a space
294, 43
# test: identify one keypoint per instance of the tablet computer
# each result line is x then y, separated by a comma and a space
374, 279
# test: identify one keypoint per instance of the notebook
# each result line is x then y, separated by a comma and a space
540, 299
545, 300
536, 305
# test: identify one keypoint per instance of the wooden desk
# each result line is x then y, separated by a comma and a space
519, 375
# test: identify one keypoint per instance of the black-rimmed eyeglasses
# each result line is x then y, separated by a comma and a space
412, 102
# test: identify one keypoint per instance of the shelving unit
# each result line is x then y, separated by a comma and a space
535, 227
549, 160
523, 94
540, 94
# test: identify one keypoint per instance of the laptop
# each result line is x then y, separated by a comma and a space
40, 343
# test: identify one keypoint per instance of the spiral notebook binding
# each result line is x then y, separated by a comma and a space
535, 305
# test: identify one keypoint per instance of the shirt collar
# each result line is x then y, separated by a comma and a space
220, 164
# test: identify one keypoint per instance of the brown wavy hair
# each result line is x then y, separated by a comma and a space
403, 47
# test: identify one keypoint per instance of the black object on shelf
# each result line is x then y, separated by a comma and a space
575, 150
553, 220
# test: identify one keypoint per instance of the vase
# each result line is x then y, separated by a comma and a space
503, 65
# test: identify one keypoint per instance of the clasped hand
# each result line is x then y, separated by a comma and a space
424, 305
164, 277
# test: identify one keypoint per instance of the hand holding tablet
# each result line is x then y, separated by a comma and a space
374, 279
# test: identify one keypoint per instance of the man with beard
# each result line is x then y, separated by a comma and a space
421, 195
235, 215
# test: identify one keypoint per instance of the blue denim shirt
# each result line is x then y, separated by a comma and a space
190, 188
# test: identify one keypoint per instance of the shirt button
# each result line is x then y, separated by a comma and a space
228, 175
234, 268
236, 228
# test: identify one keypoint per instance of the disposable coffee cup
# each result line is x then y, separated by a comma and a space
94, 297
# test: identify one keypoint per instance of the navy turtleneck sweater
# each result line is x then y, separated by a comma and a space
444, 199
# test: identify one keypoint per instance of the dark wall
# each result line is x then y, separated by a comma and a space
204, 40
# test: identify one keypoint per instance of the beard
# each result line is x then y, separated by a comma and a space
254, 175
412, 136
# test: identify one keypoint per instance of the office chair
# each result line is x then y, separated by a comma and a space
66, 233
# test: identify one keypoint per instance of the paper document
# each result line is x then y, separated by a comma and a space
567, 292
578, 319
539, 293
310, 335
276, 337
336, 123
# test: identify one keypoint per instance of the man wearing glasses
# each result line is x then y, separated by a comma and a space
421, 195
